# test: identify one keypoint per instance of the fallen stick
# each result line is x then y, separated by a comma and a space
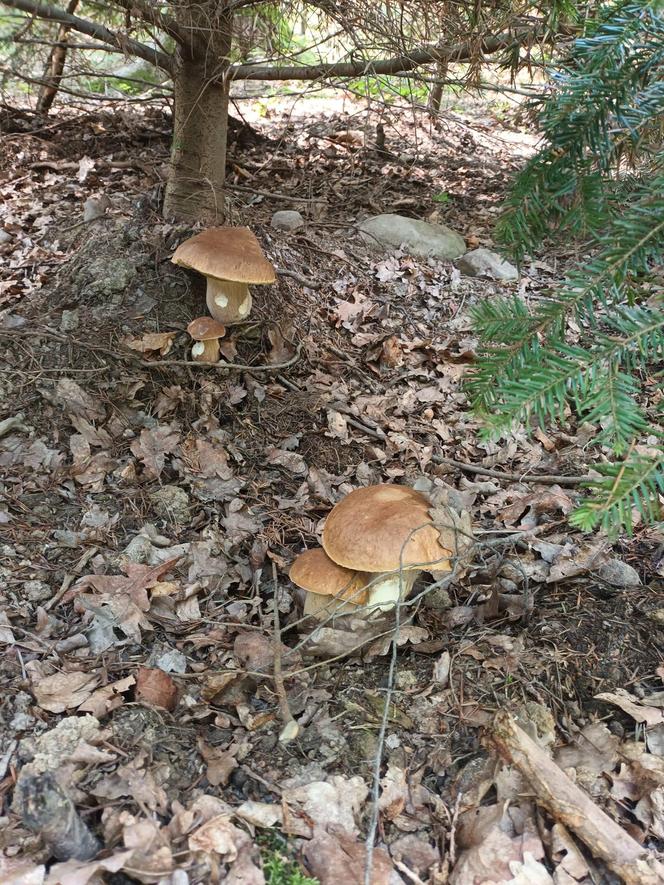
548, 478
290, 729
569, 804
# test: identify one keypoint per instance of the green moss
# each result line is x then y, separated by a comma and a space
279, 865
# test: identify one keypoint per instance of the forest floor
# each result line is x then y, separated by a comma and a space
151, 511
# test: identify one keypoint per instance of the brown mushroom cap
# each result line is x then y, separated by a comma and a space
226, 253
206, 329
315, 572
372, 530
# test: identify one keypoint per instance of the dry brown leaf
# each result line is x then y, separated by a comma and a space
138, 580
156, 688
220, 763
19, 871
107, 698
394, 792
76, 872
218, 836
336, 857
64, 691
293, 462
133, 779
281, 350
637, 709
152, 447
75, 400
150, 342
334, 802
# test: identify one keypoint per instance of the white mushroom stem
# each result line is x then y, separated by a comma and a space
385, 590
206, 351
228, 302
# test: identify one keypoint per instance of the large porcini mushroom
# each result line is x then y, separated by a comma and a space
385, 530
231, 259
331, 589
206, 332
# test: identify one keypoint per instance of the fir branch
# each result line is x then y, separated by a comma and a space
636, 483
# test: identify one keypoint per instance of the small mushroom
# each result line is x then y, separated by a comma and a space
206, 332
230, 258
330, 588
385, 530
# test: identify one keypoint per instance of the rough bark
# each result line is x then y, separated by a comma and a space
198, 155
436, 94
55, 66
567, 803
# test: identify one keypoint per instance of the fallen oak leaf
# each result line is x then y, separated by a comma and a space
151, 342
156, 688
152, 447
218, 836
64, 691
107, 698
138, 580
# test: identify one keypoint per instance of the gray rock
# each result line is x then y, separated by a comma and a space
485, 263
95, 207
172, 661
37, 591
619, 574
111, 276
69, 320
418, 237
139, 550
172, 503
287, 219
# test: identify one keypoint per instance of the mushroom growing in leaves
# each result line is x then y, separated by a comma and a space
231, 259
206, 332
331, 589
385, 530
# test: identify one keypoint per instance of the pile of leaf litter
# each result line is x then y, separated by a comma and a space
151, 510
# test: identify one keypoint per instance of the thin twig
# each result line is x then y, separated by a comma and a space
235, 367
273, 195
375, 786
130, 356
547, 478
303, 281
290, 730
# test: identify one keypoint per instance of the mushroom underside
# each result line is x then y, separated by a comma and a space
385, 590
227, 301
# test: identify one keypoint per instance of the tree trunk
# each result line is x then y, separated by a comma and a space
195, 188
436, 94
54, 66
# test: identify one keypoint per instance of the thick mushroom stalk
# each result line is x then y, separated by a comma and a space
228, 302
386, 590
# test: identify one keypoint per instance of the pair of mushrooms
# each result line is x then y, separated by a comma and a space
375, 543
231, 259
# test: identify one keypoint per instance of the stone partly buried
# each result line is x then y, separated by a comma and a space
231, 260
428, 240
376, 541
